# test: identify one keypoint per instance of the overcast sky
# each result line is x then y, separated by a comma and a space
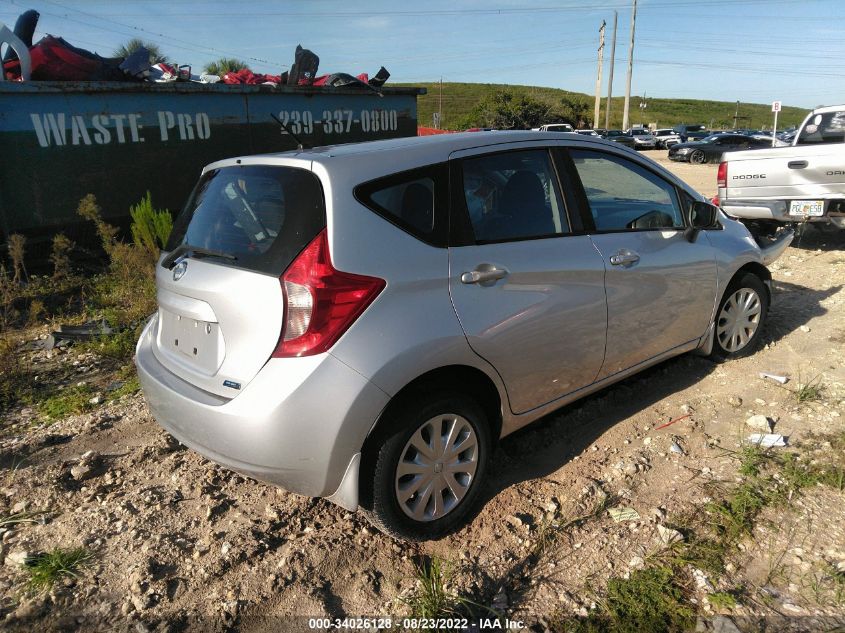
748, 50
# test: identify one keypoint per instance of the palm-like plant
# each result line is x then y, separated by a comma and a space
156, 56
224, 65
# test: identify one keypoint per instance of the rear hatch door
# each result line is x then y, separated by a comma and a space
221, 307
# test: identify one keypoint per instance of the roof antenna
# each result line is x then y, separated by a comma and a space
286, 128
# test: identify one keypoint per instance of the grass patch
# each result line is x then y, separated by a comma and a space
650, 599
722, 600
656, 598
129, 387
810, 391
20, 517
119, 345
432, 598
69, 401
47, 568
751, 458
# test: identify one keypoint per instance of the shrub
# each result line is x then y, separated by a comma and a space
60, 256
150, 227
90, 210
17, 245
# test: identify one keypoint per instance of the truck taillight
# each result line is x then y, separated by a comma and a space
722, 175
321, 302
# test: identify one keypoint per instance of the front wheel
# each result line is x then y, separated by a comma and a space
697, 157
423, 472
739, 321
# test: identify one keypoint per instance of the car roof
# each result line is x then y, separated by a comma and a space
833, 108
426, 149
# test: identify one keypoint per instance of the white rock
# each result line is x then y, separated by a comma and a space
760, 423
668, 535
16, 558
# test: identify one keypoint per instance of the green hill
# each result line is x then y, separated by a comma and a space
460, 98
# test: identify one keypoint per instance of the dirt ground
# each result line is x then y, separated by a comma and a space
180, 544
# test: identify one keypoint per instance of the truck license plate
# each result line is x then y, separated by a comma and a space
807, 208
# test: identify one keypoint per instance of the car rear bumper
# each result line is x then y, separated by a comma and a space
298, 424
777, 210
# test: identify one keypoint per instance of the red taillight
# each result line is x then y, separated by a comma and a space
722, 175
715, 200
320, 301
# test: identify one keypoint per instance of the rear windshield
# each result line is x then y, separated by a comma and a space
264, 216
824, 128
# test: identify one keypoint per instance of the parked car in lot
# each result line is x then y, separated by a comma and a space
364, 322
554, 127
691, 132
666, 137
713, 147
642, 138
587, 132
618, 136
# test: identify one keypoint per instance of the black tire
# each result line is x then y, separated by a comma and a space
724, 346
698, 157
379, 477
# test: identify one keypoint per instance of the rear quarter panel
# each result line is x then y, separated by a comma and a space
411, 328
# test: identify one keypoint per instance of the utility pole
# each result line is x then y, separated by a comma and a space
630, 66
440, 106
736, 114
610, 79
598, 76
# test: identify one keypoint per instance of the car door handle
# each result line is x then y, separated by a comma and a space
483, 274
797, 164
624, 258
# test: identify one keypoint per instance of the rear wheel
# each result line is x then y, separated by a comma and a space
739, 321
422, 477
697, 157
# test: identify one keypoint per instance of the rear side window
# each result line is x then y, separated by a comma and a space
262, 215
414, 200
824, 128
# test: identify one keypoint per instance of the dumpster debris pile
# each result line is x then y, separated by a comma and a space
54, 59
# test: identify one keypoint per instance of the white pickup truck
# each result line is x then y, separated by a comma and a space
801, 183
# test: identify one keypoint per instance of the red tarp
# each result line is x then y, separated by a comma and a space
431, 131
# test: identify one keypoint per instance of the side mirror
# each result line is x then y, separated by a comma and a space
703, 215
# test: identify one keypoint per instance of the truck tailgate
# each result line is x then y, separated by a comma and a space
787, 173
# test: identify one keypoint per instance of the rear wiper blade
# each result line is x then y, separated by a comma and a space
186, 249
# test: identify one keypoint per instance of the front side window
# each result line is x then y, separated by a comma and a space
513, 195
622, 195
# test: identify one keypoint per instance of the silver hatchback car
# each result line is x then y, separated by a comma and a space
364, 322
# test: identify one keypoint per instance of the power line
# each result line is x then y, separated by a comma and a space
468, 12
173, 42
